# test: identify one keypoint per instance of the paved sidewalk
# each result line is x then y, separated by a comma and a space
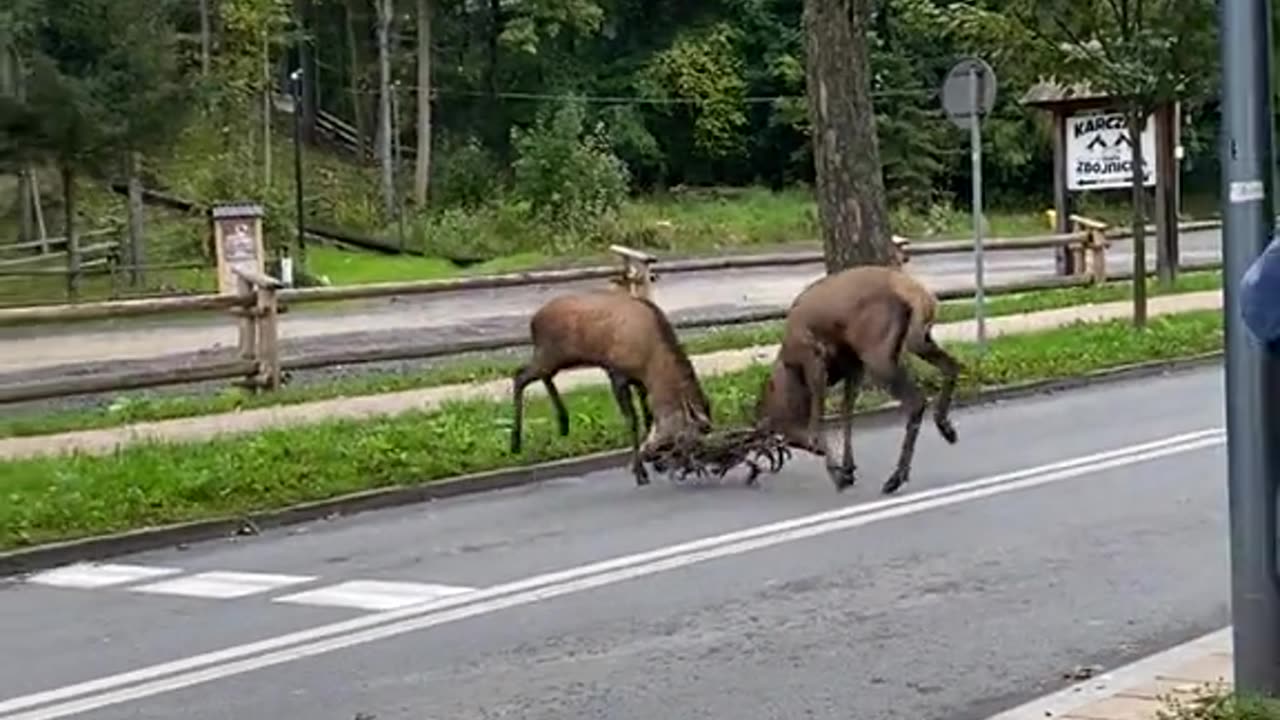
106, 440
1139, 690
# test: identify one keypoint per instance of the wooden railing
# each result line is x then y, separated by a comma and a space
260, 299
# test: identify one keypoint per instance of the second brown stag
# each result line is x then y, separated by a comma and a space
846, 325
632, 340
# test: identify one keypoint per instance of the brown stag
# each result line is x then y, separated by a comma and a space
632, 340
855, 322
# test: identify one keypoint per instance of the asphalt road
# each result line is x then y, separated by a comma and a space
33, 352
1011, 558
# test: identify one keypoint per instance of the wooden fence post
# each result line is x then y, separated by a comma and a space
1095, 245
259, 328
637, 271
1098, 243
267, 317
248, 324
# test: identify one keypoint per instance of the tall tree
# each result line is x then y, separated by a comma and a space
206, 37
1144, 54
846, 152
386, 13
422, 161
102, 83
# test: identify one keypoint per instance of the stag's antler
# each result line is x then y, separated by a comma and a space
718, 454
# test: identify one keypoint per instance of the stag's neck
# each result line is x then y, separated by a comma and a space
670, 384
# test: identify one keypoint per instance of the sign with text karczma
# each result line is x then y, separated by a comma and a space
1099, 155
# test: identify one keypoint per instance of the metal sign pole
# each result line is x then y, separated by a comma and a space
296, 77
975, 142
968, 93
1252, 376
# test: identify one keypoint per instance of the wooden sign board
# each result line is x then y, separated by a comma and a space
237, 242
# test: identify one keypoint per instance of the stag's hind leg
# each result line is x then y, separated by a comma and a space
521, 380
646, 412
950, 369
622, 393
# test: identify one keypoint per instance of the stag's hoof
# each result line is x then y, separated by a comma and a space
895, 481
843, 478
642, 475
947, 431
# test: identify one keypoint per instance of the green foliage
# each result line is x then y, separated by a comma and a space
566, 172
704, 67
466, 174
100, 79
1211, 704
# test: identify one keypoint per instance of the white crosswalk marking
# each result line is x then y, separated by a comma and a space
98, 575
222, 585
373, 594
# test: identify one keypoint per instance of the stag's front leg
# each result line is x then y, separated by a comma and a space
622, 393
815, 378
844, 475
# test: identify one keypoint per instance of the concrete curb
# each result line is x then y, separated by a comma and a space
105, 546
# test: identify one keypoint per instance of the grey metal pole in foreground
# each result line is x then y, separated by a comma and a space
1253, 378
975, 143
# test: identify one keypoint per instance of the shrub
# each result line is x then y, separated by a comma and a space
571, 178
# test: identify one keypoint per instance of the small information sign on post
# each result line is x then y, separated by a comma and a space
237, 242
968, 93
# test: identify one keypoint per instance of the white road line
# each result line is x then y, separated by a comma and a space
245, 658
222, 585
374, 594
98, 575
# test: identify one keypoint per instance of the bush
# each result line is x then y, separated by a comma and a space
466, 175
571, 178
1210, 705
498, 230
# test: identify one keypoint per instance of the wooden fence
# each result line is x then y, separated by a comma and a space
261, 299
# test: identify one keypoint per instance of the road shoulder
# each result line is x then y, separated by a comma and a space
1138, 690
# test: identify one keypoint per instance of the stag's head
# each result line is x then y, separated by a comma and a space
783, 406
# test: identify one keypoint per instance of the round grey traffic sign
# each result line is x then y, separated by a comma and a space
957, 92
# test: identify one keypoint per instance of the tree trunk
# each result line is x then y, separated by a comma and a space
26, 218
497, 124
422, 162
206, 38
137, 248
385, 10
266, 109
10, 82
846, 154
1136, 121
355, 72
69, 232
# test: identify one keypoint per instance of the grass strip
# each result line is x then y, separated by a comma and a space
145, 407
1208, 702
57, 498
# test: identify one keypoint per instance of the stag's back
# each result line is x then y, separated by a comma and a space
606, 328
862, 305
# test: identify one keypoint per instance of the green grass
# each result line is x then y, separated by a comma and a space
143, 408
1210, 704
54, 498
